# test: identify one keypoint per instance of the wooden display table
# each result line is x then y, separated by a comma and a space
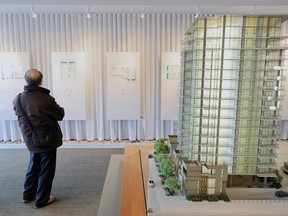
135, 181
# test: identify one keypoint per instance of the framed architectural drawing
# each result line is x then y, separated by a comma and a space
68, 81
123, 86
13, 66
170, 79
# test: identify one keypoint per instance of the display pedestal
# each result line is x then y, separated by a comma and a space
111, 194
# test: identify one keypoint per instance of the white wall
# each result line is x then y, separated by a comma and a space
96, 36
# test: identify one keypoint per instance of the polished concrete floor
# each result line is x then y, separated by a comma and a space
78, 182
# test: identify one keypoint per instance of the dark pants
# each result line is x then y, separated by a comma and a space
39, 177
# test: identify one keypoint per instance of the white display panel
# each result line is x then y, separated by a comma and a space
123, 86
170, 80
68, 81
12, 70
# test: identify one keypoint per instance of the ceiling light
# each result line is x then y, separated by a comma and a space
197, 12
88, 15
34, 15
142, 12
253, 9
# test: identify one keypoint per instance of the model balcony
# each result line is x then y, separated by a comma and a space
268, 147
193, 37
265, 174
269, 128
268, 137
267, 165
267, 155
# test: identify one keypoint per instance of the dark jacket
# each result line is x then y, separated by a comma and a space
42, 110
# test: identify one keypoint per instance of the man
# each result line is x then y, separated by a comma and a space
42, 110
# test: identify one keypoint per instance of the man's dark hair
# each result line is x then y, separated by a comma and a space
33, 77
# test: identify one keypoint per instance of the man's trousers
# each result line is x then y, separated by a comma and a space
39, 177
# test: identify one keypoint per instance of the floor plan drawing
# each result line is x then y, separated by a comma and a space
12, 72
126, 73
170, 79
173, 72
13, 66
68, 70
123, 86
69, 80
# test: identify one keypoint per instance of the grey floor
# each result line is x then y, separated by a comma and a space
78, 182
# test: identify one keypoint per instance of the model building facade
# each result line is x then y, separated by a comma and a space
230, 92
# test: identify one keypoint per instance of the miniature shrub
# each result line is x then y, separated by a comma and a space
277, 183
208, 197
161, 157
160, 147
194, 198
166, 168
204, 196
158, 143
172, 184
285, 167
285, 164
224, 197
189, 197
212, 198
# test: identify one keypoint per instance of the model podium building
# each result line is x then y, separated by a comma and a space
230, 92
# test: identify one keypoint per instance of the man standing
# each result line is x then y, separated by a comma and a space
41, 110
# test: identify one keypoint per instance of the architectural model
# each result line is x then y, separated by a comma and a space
230, 93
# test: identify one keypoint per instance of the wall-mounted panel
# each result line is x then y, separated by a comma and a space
170, 80
123, 86
12, 69
68, 81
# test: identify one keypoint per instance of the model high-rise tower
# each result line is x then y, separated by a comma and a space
230, 93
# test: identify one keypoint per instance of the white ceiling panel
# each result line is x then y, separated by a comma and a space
266, 7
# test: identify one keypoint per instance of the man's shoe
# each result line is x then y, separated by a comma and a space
51, 200
27, 200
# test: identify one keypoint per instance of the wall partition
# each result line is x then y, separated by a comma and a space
96, 36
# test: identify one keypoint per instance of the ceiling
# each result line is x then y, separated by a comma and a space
264, 7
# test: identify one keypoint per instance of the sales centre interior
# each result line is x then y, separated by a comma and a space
171, 107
